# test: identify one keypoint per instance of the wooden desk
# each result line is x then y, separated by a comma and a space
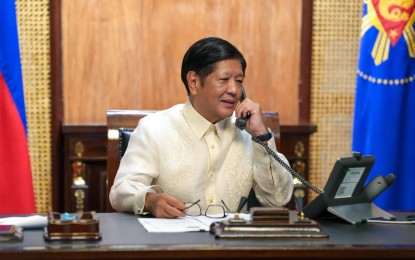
124, 238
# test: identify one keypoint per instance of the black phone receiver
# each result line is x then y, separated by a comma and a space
241, 122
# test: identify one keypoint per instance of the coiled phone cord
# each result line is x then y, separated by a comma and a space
286, 166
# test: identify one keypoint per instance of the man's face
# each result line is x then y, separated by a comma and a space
216, 99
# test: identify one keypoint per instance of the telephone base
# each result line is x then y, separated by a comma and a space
360, 212
353, 213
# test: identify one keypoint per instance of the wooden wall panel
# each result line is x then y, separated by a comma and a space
127, 54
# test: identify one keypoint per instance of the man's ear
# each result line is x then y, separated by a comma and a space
192, 81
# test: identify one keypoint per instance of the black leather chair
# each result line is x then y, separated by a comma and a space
125, 134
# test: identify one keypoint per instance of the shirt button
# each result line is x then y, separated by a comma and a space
211, 174
212, 146
210, 200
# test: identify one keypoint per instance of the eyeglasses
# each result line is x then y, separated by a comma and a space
212, 211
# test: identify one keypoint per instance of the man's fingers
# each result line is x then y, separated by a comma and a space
168, 207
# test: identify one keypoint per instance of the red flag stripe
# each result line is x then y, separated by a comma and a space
16, 187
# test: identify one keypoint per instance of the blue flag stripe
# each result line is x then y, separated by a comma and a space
10, 65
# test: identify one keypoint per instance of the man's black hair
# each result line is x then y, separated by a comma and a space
203, 55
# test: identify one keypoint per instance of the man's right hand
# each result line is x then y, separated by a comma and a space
163, 205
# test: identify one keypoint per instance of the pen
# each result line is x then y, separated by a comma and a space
242, 203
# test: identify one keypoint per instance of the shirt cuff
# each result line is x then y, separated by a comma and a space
261, 155
140, 198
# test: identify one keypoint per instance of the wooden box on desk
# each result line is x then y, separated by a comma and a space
82, 226
268, 223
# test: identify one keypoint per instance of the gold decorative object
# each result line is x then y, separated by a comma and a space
80, 197
78, 170
299, 149
79, 149
299, 166
79, 186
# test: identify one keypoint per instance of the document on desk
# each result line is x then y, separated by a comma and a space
32, 221
182, 224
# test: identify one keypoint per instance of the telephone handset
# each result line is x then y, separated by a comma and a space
241, 124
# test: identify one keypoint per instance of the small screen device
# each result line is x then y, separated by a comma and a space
345, 194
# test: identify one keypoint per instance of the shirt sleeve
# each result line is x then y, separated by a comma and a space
136, 173
273, 184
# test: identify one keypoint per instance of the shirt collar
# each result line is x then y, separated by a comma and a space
199, 124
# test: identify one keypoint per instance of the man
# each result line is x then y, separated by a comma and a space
193, 151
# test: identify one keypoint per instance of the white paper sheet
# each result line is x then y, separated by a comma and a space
183, 224
33, 221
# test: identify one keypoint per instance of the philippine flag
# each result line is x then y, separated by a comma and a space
16, 185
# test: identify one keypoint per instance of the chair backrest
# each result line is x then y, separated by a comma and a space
121, 123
